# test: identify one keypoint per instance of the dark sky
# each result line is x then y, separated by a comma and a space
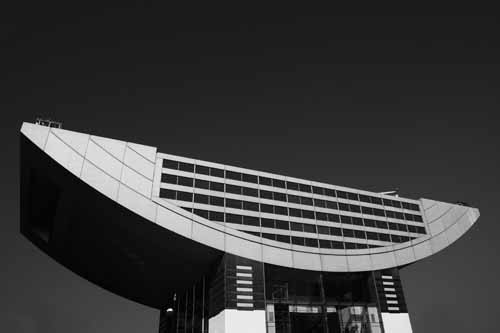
368, 102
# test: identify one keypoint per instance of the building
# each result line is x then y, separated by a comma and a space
218, 248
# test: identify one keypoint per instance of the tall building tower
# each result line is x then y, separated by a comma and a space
217, 248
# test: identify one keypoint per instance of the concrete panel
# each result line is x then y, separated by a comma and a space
147, 152
136, 181
334, 263
427, 203
137, 203
422, 250
436, 227
359, 263
208, 236
99, 180
404, 256
243, 248
437, 211
36, 133
174, 222
439, 242
64, 155
396, 323
383, 260
139, 163
306, 261
77, 141
277, 256
114, 147
103, 160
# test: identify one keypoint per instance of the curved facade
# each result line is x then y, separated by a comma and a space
173, 220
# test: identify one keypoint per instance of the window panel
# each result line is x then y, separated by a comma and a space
278, 196
200, 198
280, 210
201, 212
251, 192
305, 188
215, 172
267, 208
167, 194
202, 170
323, 230
308, 214
233, 189
292, 186
216, 201
216, 216
319, 203
284, 225
318, 190
265, 181
283, 238
249, 178
267, 223
215, 186
306, 201
185, 181
233, 203
321, 216
279, 183
188, 167
184, 196
310, 228
296, 226
169, 179
169, 164
325, 244
253, 206
200, 183
311, 242
251, 220
293, 199
234, 218
298, 240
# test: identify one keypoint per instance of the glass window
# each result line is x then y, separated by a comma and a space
354, 208
201, 198
408, 217
396, 204
406, 205
378, 212
311, 242
348, 233
372, 235
332, 205
310, 228
249, 178
233, 189
292, 186
364, 198
349, 246
170, 179
200, 183
361, 246
306, 201
337, 245
234, 218
283, 238
369, 223
168, 194
352, 196
403, 239
367, 210
266, 194
184, 196
321, 216
278, 196
298, 240
189, 209
323, 230
357, 221
387, 202
284, 225
402, 227
319, 203
345, 219
384, 237
330, 192
185, 181
267, 223
342, 194
381, 224
376, 200
215, 186
233, 203
202, 170
335, 231
214, 172
305, 188
293, 199
201, 212
251, 192
233, 175
251, 220
295, 212
265, 181
266, 208
296, 226
390, 213
254, 206
420, 230
169, 164
395, 239
216, 216
279, 183
359, 234
308, 214
269, 236
325, 244
318, 190
188, 167
399, 215
333, 218
412, 228
216, 201
417, 218
343, 206
280, 210
414, 207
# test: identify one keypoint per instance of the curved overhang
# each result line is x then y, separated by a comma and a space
112, 210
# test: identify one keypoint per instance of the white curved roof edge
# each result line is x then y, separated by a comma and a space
125, 172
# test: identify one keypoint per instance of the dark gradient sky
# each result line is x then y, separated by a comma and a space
368, 102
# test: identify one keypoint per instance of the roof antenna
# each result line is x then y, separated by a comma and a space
393, 192
48, 122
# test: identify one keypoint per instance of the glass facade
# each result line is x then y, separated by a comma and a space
293, 300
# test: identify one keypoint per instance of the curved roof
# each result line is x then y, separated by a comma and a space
129, 174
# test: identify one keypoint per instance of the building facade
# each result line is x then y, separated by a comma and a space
218, 248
